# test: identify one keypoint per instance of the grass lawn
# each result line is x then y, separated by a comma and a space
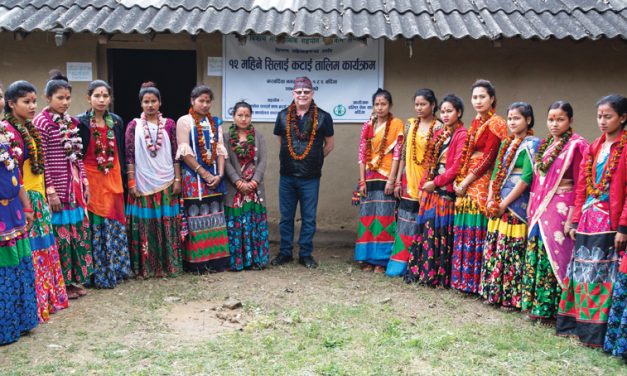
335, 320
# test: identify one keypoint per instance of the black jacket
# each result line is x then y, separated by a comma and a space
119, 129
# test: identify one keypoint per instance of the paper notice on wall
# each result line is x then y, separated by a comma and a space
79, 71
214, 66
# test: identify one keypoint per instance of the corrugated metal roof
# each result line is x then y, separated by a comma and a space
442, 19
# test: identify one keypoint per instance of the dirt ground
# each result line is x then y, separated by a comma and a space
334, 320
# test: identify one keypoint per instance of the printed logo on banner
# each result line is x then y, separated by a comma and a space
344, 74
339, 110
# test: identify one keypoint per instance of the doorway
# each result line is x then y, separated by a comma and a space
174, 73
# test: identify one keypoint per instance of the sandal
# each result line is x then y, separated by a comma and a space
71, 292
379, 269
365, 267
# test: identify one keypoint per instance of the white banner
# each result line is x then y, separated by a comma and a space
345, 73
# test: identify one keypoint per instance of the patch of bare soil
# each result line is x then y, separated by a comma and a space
201, 320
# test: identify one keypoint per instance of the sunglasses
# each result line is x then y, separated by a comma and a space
302, 92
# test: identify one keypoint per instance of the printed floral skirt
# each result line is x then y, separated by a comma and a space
541, 291
110, 251
503, 260
154, 227
406, 228
586, 300
49, 282
470, 232
430, 253
18, 301
377, 225
616, 336
248, 236
73, 237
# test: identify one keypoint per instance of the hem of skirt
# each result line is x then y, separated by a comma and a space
211, 266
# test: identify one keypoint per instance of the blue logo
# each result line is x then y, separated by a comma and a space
339, 110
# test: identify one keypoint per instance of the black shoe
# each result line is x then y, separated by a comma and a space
308, 262
281, 259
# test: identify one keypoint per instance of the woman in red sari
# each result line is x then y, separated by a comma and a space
471, 186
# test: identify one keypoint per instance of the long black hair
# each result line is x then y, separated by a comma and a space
16, 90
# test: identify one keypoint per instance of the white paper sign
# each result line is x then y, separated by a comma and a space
79, 71
345, 73
214, 66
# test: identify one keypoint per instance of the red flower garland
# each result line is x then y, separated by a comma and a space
415, 136
502, 169
597, 190
32, 141
291, 124
381, 150
201, 137
469, 145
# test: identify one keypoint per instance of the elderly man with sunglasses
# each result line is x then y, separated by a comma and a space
305, 133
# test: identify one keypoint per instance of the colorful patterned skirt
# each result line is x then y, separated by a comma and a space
154, 225
503, 260
616, 336
377, 225
248, 236
406, 228
586, 300
207, 244
110, 251
430, 253
470, 232
73, 237
18, 299
541, 291
49, 282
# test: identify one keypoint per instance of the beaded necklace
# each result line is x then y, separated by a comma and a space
292, 125
105, 155
32, 140
597, 190
153, 147
201, 137
542, 166
247, 152
475, 131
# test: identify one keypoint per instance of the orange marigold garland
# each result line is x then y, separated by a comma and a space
433, 151
201, 137
469, 145
542, 166
381, 150
597, 190
414, 141
501, 174
291, 123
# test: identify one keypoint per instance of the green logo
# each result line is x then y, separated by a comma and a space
339, 110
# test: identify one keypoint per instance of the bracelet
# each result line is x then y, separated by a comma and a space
177, 179
197, 168
28, 210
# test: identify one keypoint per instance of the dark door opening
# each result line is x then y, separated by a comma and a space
174, 72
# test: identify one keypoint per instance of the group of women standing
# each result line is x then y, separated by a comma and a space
90, 201
492, 210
